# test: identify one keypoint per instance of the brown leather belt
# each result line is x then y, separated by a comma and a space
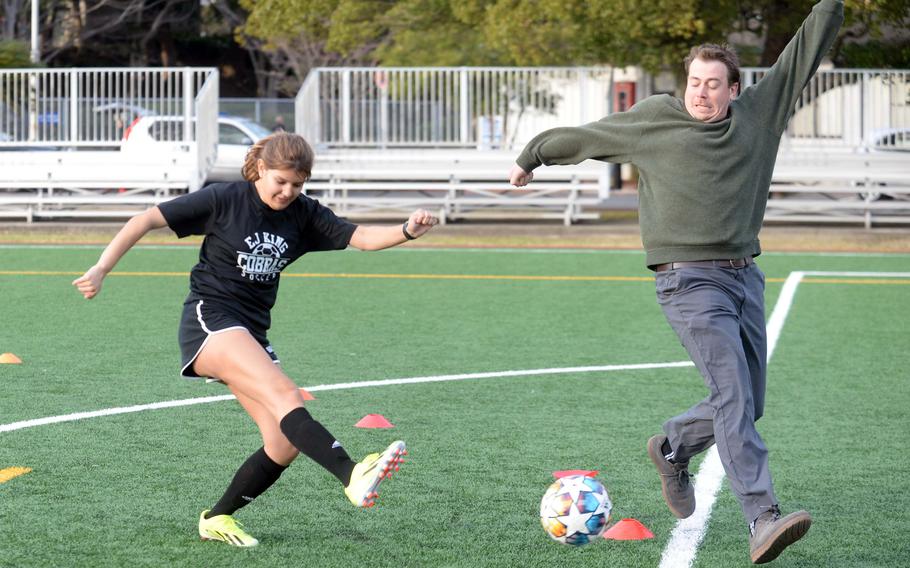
723, 263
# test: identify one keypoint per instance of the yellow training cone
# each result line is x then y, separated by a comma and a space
10, 472
9, 358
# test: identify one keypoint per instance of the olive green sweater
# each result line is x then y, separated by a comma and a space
703, 186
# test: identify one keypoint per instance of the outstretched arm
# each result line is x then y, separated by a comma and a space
778, 91
374, 237
613, 138
89, 284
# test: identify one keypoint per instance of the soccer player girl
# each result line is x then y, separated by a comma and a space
253, 230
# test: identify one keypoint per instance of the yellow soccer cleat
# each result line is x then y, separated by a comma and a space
224, 528
371, 471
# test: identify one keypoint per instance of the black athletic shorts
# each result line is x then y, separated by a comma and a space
201, 320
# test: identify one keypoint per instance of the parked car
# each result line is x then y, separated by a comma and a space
889, 140
235, 135
109, 121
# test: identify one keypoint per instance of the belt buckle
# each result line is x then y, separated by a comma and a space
733, 262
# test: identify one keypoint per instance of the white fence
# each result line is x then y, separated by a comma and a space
865, 109
91, 107
502, 108
446, 107
844, 158
61, 132
849, 137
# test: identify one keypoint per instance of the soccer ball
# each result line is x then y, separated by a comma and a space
266, 249
575, 510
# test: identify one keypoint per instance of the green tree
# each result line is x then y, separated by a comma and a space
388, 32
14, 54
287, 38
876, 34
656, 34
437, 32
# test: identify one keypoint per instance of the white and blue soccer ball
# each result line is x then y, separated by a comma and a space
575, 510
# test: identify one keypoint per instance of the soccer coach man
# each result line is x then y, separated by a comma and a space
705, 166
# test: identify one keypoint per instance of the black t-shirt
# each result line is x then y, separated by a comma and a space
247, 244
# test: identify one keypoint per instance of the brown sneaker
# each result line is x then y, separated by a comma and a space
771, 534
674, 479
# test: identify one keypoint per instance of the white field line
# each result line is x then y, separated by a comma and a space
775, 323
340, 386
688, 533
858, 274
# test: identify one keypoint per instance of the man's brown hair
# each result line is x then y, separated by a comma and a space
714, 52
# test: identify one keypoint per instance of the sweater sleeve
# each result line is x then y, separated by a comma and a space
776, 94
613, 138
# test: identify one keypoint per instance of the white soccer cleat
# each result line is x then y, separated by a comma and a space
369, 473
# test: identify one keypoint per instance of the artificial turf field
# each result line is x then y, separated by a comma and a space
126, 489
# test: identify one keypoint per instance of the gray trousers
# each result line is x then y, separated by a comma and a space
719, 316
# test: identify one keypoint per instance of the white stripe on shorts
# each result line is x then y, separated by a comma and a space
208, 334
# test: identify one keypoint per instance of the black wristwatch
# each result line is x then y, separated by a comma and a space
407, 235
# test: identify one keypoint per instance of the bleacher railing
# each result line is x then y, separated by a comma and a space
479, 107
94, 106
855, 109
864, 109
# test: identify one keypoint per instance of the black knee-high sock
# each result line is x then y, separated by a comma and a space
257, 474
315, 442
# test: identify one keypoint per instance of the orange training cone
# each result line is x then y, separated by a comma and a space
374, 421
9, 358
306, 395
628, 529
569, 472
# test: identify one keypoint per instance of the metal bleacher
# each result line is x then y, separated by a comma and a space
391, 139
841, 187
62, 132
844, 159
455, 184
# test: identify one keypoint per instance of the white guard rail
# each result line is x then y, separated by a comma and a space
845, 157
63, 134
92, 107
450, 107
851, 129
861, 109
455, 184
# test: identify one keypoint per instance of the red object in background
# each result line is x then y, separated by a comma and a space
129, 129
628, 529
374, 421
623, 95
570, 472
